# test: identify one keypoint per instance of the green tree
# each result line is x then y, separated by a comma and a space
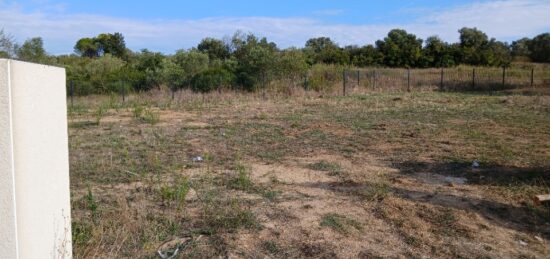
291, 63
216, 49
400, 49
7, 45
520, 48
103, 73
33, 50
437, 53
87, 47
148, 67
211, 79
364, 56
173, 75
324, 50
113, 44
497, 53
473, 44
255, 60
539, 48
193, 62
105, 43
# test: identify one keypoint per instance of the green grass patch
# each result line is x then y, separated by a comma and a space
332, 168
340, 223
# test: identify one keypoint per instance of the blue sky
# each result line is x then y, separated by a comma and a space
169, 25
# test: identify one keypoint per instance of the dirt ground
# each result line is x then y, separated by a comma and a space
421, 175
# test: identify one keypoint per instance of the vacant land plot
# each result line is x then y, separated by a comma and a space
378, 175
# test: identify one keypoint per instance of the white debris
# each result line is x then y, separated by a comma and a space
197, 159
475, 164
539, 238
523, 243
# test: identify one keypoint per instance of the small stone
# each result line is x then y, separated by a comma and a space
523, 243
539, 239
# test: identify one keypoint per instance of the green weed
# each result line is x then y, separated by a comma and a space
340, 223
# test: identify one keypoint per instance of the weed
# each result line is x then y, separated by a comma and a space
91, 203
137, 111
175, 193
151, 117
143, 114
227, 216
340, 223
271, 247
242, 181
262, 116
81, 232
413, 241
271, 195
333, 168
375, 191
99, 113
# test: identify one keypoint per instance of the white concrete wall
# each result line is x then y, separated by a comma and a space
8, 223
35, 98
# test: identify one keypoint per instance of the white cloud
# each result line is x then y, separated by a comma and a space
505, 20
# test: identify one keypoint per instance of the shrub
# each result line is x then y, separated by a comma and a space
211, 79
323, 77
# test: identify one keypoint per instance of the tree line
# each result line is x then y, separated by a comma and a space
104, 64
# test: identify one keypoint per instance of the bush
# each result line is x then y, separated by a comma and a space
211, 79
323, 77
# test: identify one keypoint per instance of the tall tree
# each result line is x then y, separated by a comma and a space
7, 45
113, 44
149, 66
255, 60
216, 49
497, 53
520, 48
105, 43
324, 50
437, 53
539, 48
473, 42
400, 49
32, 50
87, 47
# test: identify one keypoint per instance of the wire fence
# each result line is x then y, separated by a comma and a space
444, 79
345, 81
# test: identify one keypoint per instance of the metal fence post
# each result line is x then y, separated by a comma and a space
375, 77
408, 79
503, 76
305, 82
473, 79
344, 82
441, 82
71, 85
358, 78
173, 90
532, 77
123, 91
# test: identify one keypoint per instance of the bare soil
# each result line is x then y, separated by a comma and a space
363, 176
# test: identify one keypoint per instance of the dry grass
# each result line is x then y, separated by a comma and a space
304, 175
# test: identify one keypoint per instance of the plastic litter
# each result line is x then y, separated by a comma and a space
475, 164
